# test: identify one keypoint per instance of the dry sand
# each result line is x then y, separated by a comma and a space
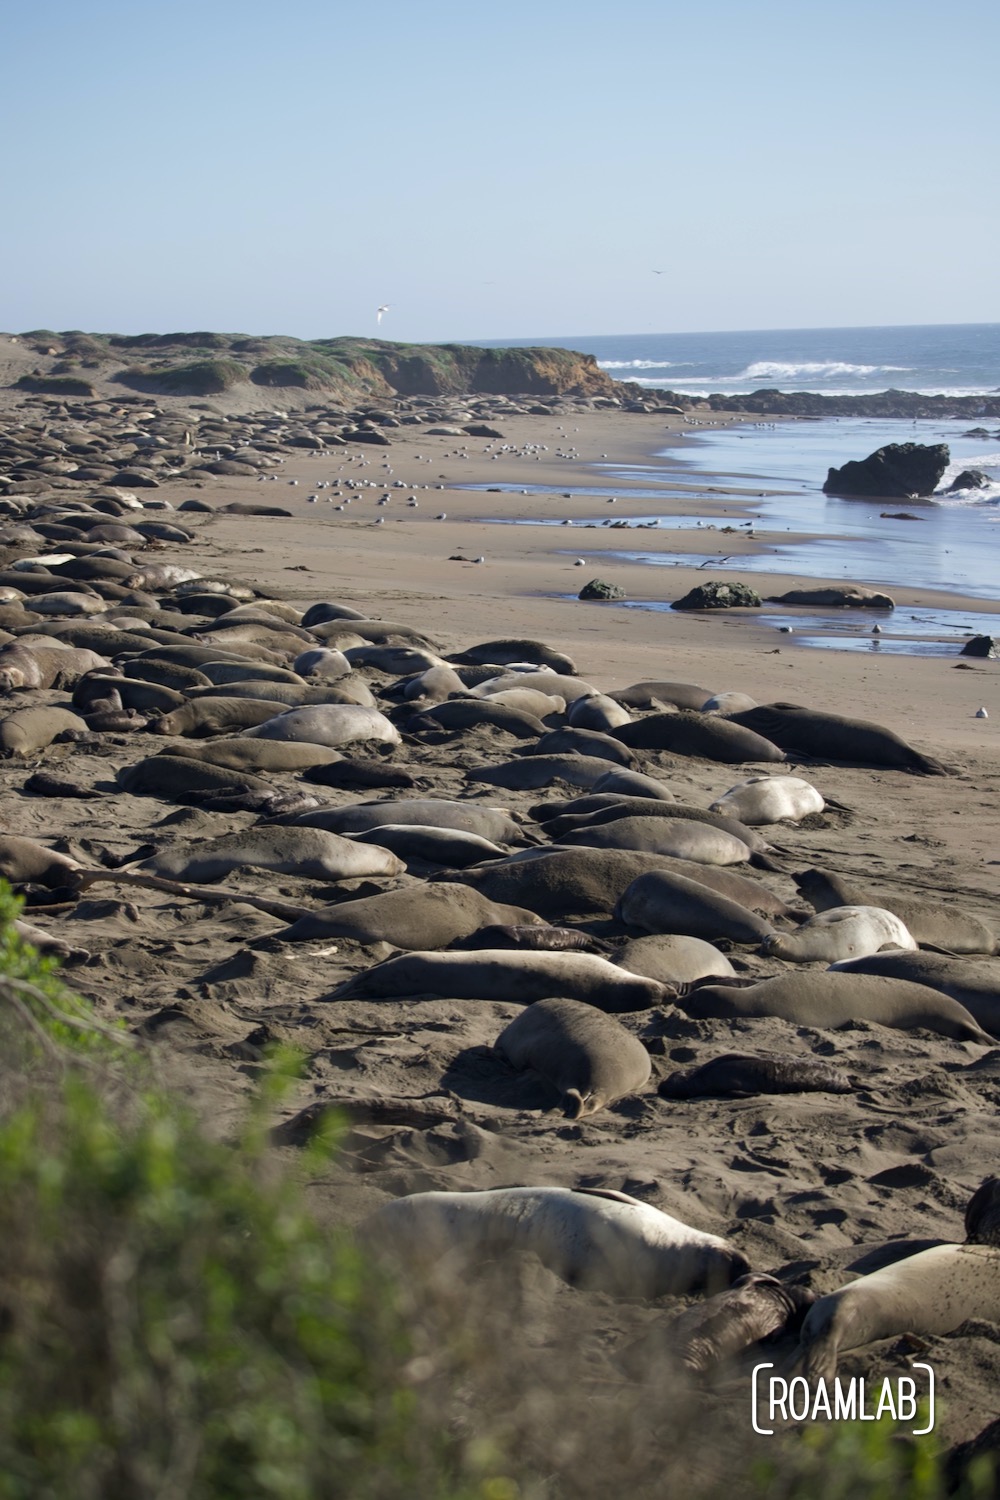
809, 1185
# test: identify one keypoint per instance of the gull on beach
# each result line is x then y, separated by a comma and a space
383, 309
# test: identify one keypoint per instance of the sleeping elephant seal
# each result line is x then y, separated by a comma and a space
770, 799
674, 958
420, 917
24, 862
536, 771
583, 742
807, 731
254, 755
597, 712
588, 1056
459, 714
29, 729
929, 922
633, 784
703, 735
359, 771
982, 1216
974, 983
171, 777
742, 1074
505, 651
502, 975
308, 853
332, 724
601, 1241
756, 1307
681, 838
928, 1294
841, 933
824, 999
650, 694
493, 823
434, 846
661, 901
206, 716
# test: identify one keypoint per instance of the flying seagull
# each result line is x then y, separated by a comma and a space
383, 309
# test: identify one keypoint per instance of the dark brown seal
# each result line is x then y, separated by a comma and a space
555, 939
755, 1307
740, 1074
808, 731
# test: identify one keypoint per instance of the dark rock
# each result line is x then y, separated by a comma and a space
981, 645
898, 470
969, 479
480, 429
719, 596
598, 589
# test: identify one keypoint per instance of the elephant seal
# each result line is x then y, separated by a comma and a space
254, 755
321, 662
395, 659
601, 1241
633, 784
419, 917
543, 706
826, 999
974, 983
653, 694
661, 901
173, 776
544, 681
493, 823
29, 729
756, 1307
23, 862
308, 853
37, 666
146, 697
928, 922
982, 1215
807, 731
359, 771
207, 716
770, 799
742, 1074
603, 808
539, 938
703, 735
674, 958
928, 1294
727, 703
583, 742
505, 651
459, 714
535, 771
679, 837
332, 724
436, 846
494, 974
433, 685
843, 932
597, 712
588, 1056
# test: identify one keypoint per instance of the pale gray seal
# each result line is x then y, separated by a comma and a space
928, 1294
826, 999
770, 799
935, 923
305, 852
419, 917
588, 1056
807, 731
602, 1241
209, 716
742, 1074
504, 975
583, 742
840, 933
23, 862
602, 808
597, 712
633, 784
331, 724
254, 755
682, 838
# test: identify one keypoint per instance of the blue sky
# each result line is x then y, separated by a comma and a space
511, 169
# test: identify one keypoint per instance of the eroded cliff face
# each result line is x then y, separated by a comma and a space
204, 364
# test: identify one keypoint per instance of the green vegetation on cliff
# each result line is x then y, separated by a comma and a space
345, 367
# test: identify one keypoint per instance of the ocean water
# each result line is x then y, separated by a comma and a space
945, 359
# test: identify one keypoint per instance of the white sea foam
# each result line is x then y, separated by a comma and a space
683, 384
766, 369
636, 364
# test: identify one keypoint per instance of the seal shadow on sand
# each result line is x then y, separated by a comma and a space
480, 1076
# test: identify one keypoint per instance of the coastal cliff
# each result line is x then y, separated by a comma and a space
211, 364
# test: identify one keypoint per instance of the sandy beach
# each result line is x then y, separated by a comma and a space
813, 1187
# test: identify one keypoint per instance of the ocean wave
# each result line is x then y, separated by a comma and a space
766, 369
636, 364
683, 385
